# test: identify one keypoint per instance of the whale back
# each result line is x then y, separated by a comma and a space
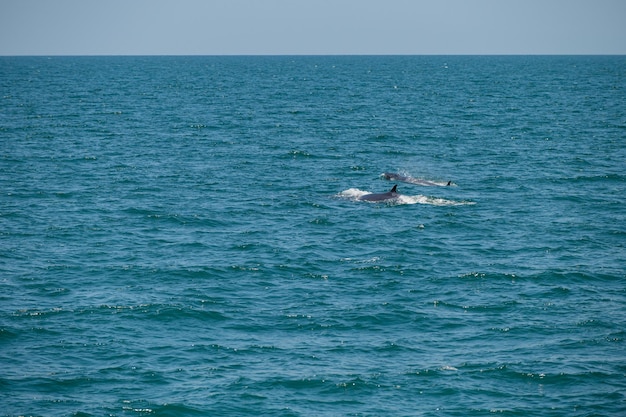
389, 195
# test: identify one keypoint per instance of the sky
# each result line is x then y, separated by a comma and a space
311, 27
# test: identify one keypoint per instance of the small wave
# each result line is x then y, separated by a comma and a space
361, 261
298, 153
355, 194
433, 201
352, 193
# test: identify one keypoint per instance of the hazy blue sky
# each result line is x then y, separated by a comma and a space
114, 27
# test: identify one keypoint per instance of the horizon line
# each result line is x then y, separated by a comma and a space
305, 55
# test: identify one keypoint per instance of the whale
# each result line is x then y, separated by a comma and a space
390, 195
397, 177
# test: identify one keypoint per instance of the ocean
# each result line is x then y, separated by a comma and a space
187, 236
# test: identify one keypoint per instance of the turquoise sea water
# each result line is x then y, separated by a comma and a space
183, 236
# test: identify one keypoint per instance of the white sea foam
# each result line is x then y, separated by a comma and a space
355, 194
433, 201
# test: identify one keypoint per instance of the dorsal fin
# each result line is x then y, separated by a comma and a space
393, 190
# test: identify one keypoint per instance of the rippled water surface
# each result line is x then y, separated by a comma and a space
186, 236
